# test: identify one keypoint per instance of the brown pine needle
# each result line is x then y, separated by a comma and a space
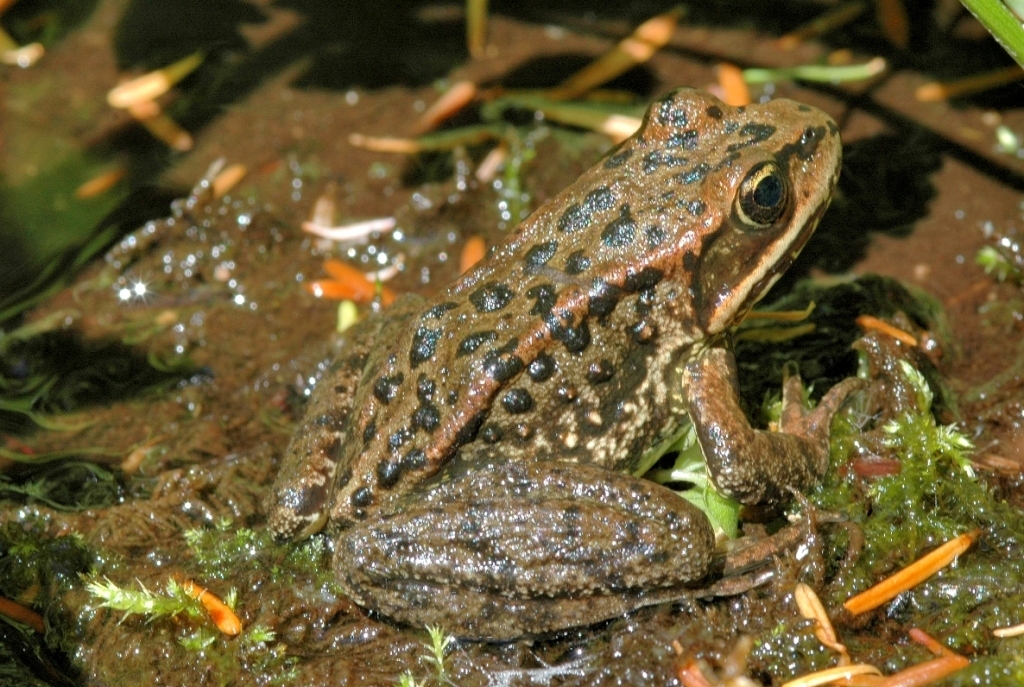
167, 130
445, 107
228, 179
23, 614
781, 315
488, 167
910, 576
385, 144
829, 675
822, 24
476, 27
635, 49
929, 672
926, 673
869, 323
937, 90
930, 643
154, 84
811, 608
1013, 631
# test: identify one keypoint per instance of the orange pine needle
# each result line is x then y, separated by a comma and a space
926, 673
833, 19
867, 322
930, 643
348, 283
934, 91
222, 616
894, 22
472, 252
449, 104
910, 576
100, 183
730, 78
635, 49
15, 611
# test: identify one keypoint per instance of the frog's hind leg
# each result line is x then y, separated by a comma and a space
297, 505
494, 549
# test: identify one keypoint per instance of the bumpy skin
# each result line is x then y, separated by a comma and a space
473, 454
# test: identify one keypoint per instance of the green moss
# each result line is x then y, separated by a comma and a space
36, 571
935, 497
224, 551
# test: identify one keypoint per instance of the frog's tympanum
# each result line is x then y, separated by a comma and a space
474, 456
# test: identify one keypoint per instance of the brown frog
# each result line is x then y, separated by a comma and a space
475, 456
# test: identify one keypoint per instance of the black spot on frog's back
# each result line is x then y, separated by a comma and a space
439, 310
621, 231
424, 344
757, 133
474, 341
618, 159
683, 139
386, 388
539, 255
491, 296
670, 112
577, 263
517, 401
579, 216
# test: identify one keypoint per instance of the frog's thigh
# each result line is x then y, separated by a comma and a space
506, 549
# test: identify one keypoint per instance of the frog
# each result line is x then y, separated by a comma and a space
475, 458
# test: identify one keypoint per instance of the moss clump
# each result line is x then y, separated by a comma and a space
36, 571
934, 496
224, 551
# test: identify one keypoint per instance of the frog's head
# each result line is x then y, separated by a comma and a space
764, 178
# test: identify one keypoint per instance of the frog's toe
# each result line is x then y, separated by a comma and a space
797, 419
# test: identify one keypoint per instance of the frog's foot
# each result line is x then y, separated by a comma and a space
813, 424
499, 549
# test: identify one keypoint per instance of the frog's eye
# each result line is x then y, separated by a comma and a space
763, 195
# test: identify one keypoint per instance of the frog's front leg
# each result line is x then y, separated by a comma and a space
498, 549
750, 465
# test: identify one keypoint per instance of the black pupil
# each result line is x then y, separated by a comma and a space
768, 192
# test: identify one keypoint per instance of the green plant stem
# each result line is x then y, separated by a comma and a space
1001, 23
